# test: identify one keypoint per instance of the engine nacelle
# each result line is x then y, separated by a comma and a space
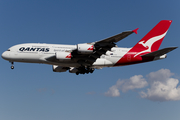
63, 56
73, 70
59, 68
85, 48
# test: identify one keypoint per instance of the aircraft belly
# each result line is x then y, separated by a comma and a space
64, 64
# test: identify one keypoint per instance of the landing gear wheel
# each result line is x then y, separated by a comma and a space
92, 70
12, 67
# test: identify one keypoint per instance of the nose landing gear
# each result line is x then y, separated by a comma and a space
12, 65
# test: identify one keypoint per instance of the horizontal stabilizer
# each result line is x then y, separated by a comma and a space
159, 52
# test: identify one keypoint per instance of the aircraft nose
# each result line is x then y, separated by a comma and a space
5, 55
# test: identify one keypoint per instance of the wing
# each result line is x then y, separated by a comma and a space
100, 47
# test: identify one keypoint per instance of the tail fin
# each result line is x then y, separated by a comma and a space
152, 40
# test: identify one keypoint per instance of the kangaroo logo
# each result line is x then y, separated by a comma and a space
148, 44
144, 44
68, 56
90, 48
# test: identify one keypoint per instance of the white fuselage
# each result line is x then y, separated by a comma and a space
38, 53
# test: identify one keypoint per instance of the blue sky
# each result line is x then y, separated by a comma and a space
34, 91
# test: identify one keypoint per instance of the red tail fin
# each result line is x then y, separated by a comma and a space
152, 40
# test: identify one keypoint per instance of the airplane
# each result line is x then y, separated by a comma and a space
86, 57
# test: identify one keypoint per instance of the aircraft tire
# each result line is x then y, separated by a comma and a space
12, 67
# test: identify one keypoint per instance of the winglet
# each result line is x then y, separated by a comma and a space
135, 30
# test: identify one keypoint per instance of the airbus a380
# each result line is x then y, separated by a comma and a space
86, 57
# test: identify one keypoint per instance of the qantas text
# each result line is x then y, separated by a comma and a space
34, 49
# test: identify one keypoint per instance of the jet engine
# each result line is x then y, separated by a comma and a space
73, 70
85, 48
59, 68
63, 56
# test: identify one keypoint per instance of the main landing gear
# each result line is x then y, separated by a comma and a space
83, 70
12, 65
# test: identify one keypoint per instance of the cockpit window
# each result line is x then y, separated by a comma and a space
8, 50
